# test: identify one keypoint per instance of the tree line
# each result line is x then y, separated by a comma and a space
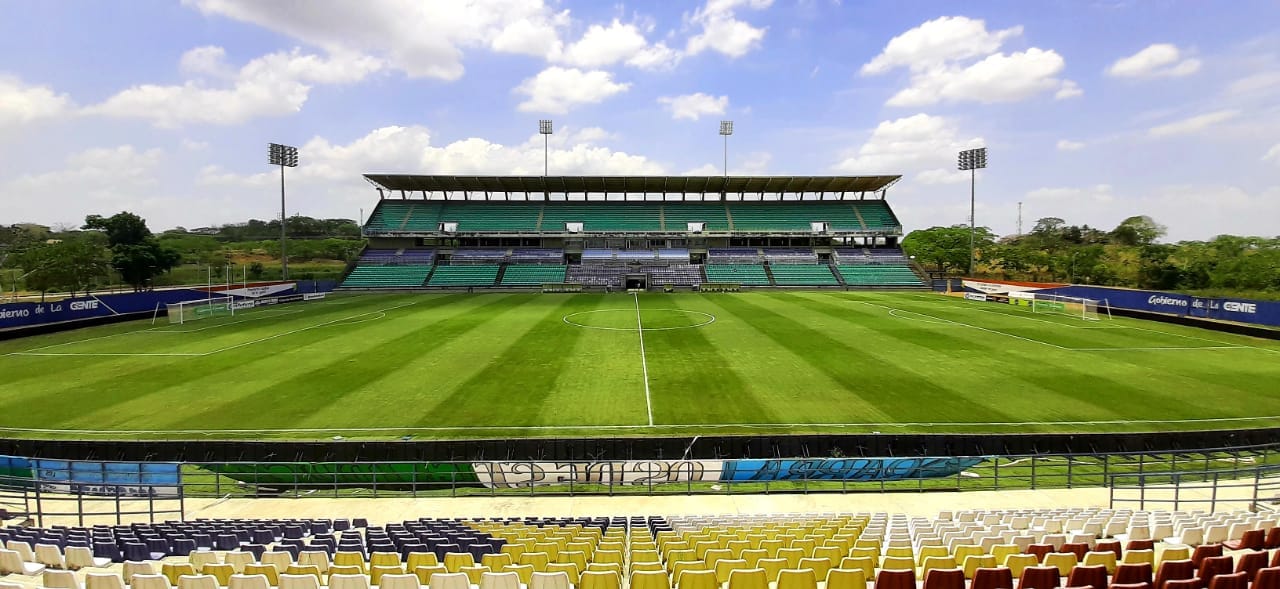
84, 258
1130, 255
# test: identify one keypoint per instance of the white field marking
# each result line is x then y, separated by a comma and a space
1205, 339
918, 424
1157, 348
302, 329
644, 364
710, 319
220, 350
253, 317
894, 312
1058, 323
1027, 339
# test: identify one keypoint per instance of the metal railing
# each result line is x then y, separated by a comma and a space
88, 504
1251, 488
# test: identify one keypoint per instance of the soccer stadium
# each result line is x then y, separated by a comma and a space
615, 374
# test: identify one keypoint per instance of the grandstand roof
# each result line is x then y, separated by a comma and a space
633, 184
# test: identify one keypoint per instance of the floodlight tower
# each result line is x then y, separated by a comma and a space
972, 160
284, 156
726, 129
544, 127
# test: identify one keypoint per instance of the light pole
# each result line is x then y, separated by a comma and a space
726, 129
284, 156
544, 127
972, 160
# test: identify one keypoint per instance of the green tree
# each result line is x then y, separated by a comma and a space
135, 252
72, 265
946, 248
1138, 230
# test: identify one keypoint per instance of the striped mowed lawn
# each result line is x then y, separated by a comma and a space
501, 365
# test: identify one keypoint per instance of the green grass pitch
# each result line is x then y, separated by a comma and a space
501, 365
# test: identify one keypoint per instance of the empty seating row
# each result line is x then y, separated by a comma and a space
455, 276
363, 276
803, 275
532, 275
879, 275
744, 274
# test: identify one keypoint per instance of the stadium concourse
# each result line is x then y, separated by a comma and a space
608, 233
937, 540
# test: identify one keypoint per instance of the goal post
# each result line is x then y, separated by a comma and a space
200, 309
1080, 307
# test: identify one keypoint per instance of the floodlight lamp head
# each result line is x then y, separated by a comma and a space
726, 127
282, 155
973, 159
544, 126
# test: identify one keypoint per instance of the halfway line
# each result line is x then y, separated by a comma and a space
644, 364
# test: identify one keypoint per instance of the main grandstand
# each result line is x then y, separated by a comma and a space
613, 232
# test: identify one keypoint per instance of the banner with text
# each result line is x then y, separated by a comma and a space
1225, 309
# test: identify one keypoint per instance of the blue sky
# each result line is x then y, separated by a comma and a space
1092, 111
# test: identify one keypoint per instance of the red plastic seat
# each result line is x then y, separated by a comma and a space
1230, 581
1040, 550
997, 578
1250, 540
1268, 578
1077, 548
1132, 573
944, 579
1105, 545
1251, 562
1275, 559
1214, 566
1174, 570
887, 579
1039, 577
1273, 538
1192, 583
1204, 551
1094, 576
1140, 545
1131, 586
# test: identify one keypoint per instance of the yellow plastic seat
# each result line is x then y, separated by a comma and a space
1001, 551
220, 571
424, 573
268, 571
771, 546
635, 566
792, 556
711, 557
684, 555
650, 580
865, 552
1105, 558
376, 572
1063, 561
897, 563
1140, 556
173, 570
859, 563
494, 561
1017, 562
900, 551
342, 558
747, 579
1172, 553
843, 578
475, 572
963, 551
936, 562
537, 560
819, 566
384, 559
684, 566
927, 552
725, 567
568, 568
697, 580
797, 579
345, 569
975, 562
771, 566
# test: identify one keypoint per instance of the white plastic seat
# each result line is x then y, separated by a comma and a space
360, 581
11, 563
50, 555
54, 579
498, 581
79, 557
557, 580
103, 581
403, 582
197, 582
452, 581
299, 582
241, 581
145, 581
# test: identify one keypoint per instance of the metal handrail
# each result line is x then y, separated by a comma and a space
1262, 484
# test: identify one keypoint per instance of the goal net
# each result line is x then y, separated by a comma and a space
1087, 309
201, 309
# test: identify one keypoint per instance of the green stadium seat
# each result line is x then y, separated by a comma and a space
386, 276
879, 275
453, 276
525, 275
803, 275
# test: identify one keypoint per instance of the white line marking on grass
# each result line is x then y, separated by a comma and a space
220, 350
644, 364
1058, 323
919, 424
1027, 339
1158, 348
253, 317
894, 312
710, 319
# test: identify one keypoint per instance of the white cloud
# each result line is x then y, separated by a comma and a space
1156, 60
1058, 198
556, 89
272, 85
1193, 124
1069, 145
23, 103
921, 145
938, 42
695, 106
617, 42
1273, 154
423, 38
940, 55
99, 180
722, 31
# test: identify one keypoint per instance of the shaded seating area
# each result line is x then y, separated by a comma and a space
455, 276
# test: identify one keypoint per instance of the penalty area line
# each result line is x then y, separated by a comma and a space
644, 364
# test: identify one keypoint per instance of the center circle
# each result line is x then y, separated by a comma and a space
651, 319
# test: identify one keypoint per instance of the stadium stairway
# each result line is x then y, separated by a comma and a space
768, 271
